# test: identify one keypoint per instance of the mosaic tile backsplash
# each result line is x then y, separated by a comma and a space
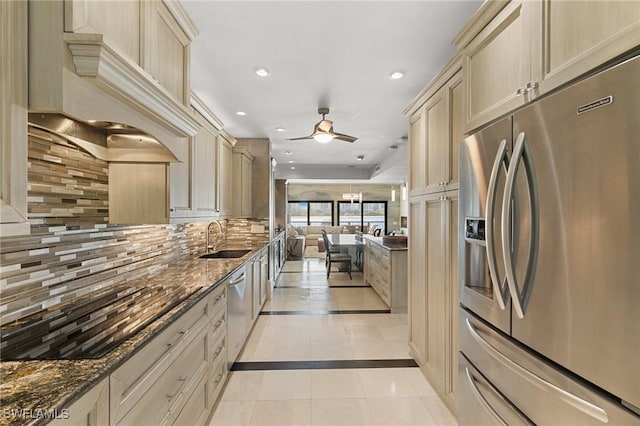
65, 184
73, 275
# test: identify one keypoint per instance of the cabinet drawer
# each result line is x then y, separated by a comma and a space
196, 409
218, 299
130, 382
218, 376
169, 392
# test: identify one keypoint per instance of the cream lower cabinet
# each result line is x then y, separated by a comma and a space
174, 377
433, 290
385, 271
92, 409
517, 52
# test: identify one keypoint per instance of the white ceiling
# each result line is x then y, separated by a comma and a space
335, 54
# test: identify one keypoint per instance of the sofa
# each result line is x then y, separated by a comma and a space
313, 232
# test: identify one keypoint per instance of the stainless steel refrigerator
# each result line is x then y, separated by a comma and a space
550, 259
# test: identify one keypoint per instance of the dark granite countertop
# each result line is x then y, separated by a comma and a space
378, 240
56, 384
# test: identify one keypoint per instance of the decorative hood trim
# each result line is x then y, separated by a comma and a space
94, 59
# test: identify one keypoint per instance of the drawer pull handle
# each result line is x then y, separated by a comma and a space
171, 395
182, 333
217, 380
220, 348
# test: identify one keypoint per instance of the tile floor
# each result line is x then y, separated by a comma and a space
349, 396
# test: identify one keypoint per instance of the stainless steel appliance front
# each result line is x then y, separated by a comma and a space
558, 186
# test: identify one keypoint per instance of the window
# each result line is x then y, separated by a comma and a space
319, 213
298, 213
367, 214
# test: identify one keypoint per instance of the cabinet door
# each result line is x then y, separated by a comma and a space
417, 282
455, 134
139, 193
13, 118
580, 35
246, 186
181, 177
441, 293
225, 176
166, 51
117, 21
437, 141
205, 172
498, 65
417, 152
436, 272
92, 409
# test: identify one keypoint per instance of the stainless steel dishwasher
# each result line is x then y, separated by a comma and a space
237, 313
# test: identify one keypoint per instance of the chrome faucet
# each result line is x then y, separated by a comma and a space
208, 245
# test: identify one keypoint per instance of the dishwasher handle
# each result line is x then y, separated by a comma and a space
237, 280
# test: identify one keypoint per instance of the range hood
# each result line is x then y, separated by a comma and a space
105, 140
81, 77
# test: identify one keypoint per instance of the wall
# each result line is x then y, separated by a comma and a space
333, 192
259, 148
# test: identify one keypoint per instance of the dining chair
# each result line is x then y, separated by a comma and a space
334, 255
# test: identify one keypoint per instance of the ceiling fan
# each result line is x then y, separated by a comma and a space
323, 131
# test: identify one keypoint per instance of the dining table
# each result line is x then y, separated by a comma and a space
352, 244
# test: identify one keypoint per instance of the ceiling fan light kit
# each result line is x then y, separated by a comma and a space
323, 131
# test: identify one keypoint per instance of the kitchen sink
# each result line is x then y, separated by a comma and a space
225, 254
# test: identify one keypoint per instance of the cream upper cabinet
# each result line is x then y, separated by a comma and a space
241, 183
13, 118
166, 54
527, 48
194, 183
225, 175
417, 152
498, 67
580, 35
435, 130
205, 171
83, 16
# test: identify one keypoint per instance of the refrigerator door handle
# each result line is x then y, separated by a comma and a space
520, 298
571, 399
483, 402
500, 289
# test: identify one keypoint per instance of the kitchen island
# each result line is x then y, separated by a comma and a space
33, 390
385, 270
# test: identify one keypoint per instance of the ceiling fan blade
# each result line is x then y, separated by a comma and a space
324, 126
302, 138
344, 137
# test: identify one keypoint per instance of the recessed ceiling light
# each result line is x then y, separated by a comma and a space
291, 161
287, 153
262, 72
293, 167
360, 157
241, 113
396, 75
279, 129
